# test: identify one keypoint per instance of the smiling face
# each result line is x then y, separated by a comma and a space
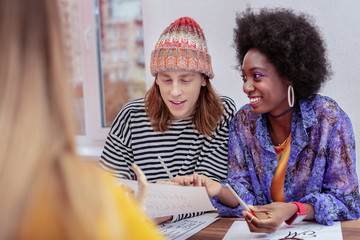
266, 90
180, 91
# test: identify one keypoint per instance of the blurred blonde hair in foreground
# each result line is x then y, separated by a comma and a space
46, 191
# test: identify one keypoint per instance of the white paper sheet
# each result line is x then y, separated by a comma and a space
165, 200
185, 228
305, 230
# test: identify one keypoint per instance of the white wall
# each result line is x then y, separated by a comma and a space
338, 20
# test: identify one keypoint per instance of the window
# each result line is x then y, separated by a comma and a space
69, 10
111, 66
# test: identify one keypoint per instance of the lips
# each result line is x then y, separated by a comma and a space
177, 102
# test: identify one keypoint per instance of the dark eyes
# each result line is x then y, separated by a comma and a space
256, 75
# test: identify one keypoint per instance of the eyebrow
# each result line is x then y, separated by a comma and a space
255, 68
182, 75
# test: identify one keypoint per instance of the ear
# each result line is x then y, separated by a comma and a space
156, 80
203, 80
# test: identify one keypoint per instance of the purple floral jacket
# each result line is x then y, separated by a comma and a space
321, 169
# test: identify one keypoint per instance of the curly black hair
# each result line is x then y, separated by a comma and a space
289, 41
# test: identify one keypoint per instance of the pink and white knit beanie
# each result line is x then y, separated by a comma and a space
182, 46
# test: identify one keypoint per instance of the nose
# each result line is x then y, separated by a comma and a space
175, 89
248, 86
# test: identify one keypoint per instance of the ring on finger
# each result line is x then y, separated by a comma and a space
252, 217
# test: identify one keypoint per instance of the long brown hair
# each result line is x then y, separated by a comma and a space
37, 146
208, 110
35, 121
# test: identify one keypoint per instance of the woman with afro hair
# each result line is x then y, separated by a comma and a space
291, 150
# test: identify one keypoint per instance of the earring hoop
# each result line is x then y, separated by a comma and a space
291, 99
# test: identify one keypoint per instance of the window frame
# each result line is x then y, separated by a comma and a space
92, 141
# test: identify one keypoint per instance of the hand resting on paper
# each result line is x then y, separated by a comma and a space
277, 213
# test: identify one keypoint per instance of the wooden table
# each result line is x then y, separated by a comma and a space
218, 229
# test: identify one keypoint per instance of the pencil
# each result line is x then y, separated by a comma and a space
242, 203
166, 169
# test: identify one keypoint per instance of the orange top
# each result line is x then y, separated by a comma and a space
277, 184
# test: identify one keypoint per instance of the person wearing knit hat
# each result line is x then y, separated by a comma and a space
181, 118
182, 46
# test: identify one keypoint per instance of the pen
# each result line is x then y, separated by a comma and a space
166, 169
242, 203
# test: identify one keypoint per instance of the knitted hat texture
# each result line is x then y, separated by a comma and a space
182, 46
